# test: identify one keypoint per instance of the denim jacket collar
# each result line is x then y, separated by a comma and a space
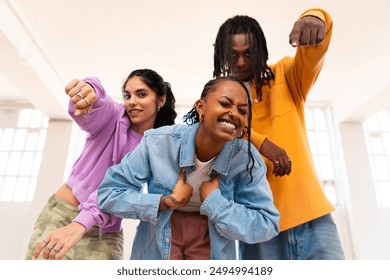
187, 153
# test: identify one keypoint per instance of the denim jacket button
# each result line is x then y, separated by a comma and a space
167, 240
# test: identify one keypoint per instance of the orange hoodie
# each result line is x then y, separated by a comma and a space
280, 118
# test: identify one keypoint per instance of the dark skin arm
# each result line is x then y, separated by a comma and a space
307, 31
278, 156
180, 196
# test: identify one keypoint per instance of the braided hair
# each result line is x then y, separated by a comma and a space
223, 60
192, 117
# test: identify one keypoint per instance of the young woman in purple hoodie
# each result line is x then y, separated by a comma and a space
71, 226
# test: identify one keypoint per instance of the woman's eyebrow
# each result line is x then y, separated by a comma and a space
232, 101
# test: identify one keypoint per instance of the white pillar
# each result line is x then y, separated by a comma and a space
369, 239
51, 173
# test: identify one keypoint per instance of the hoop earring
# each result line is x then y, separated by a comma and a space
244, 132
201, 118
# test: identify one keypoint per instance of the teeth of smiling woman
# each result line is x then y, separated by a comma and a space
230, 125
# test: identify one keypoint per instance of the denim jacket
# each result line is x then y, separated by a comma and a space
240, 209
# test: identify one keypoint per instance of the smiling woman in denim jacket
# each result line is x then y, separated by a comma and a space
206, 185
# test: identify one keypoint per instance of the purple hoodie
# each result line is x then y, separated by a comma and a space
108, 140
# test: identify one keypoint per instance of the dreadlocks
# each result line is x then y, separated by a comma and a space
223, 60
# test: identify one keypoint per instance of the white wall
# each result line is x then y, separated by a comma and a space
369, 224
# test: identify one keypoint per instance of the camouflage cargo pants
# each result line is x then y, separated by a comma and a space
58, 213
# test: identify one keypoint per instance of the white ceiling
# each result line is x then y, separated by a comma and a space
45, 43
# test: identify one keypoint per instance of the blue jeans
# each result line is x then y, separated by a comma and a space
315, 240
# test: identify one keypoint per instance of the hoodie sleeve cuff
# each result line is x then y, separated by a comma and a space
86, 220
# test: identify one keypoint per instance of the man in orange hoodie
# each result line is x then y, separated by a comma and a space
279, 92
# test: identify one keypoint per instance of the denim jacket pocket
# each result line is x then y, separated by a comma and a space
162, 184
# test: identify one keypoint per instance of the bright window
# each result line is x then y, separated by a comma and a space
319, 137
20, 155
377, 134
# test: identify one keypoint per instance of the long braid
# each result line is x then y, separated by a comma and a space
223, 60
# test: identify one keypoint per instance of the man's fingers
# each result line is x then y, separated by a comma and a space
320, 36
308, 30
295, 35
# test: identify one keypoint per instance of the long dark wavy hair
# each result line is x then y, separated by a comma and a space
192, 117
167, 114
223, 60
